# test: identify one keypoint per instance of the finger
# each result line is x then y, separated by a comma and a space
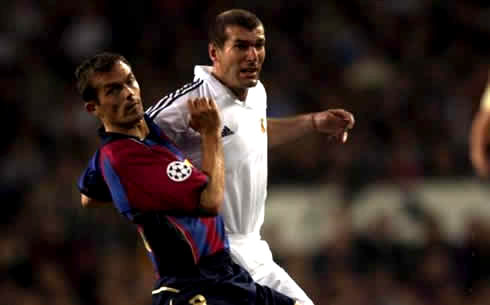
346, 116
201, 104
352, 121
345, 135
212, 103
339, 112
190, 105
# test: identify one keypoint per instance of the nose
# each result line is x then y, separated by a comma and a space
128, 92
252, 54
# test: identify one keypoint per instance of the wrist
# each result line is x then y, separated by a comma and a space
210, 134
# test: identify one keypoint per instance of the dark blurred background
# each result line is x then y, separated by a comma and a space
411, 71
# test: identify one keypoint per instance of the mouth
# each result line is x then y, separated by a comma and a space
250, 72
131, 107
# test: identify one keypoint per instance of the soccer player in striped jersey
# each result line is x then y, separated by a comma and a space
237, 50
174, 204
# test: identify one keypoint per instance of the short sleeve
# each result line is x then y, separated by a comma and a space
140, 181
91, 183
173, 119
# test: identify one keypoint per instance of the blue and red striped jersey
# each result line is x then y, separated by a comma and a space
152, 184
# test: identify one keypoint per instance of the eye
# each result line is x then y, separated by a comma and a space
113, 89
110, 91
241, 46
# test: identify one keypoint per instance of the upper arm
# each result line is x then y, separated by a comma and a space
171, 113
152, 184
91, 183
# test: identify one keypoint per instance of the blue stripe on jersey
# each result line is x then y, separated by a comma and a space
220, 230
197, 230
91, 182
169, 99
119, 196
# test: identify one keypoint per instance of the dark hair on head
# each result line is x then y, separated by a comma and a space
217, 30
102, 62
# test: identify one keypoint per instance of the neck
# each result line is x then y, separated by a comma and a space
139, 129
240, 93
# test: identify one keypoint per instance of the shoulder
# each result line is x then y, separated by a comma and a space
177, 99
119, 151
257, 97
261, 89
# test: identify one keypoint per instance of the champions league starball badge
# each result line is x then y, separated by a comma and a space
179, 171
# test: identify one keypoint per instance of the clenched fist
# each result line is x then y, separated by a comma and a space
334, 122
204, 116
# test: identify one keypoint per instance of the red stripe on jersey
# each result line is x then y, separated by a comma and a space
188, 238
213, 239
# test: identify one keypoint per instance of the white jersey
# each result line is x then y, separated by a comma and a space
244, 134
244, 144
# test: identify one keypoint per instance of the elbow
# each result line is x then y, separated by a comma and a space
211, 207
88, 202
85, 201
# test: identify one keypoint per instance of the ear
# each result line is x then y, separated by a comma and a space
91, 107
212, 50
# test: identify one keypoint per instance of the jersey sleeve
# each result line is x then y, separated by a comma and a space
171, 113
173, 119
92, 184
151, 184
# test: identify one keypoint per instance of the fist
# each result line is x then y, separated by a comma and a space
334, 122
204, 116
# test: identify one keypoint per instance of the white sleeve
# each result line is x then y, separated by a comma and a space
173, 119
171, 112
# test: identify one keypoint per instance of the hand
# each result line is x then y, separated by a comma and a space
204, 116
333, 122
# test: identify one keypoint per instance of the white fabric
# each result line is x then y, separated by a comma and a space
245, 152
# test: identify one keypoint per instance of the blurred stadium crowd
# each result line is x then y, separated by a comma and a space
411, 71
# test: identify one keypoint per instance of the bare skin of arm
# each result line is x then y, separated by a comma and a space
88, 202
205, 119
333, 122
480, 137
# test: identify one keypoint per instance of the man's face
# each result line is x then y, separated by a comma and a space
239, 62
119, 97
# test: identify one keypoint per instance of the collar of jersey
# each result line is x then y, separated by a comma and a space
222, 92
155, 136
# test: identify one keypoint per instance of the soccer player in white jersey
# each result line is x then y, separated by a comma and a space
237, 51
480, 136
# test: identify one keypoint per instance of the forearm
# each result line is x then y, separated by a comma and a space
88, 202
213, 165
480, 136
283, 130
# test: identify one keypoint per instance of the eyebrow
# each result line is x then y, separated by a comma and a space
249, 41
109, 85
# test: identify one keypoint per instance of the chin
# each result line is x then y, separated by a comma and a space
251, 83
134, 119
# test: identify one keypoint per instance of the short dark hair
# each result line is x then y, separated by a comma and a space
102, 62
217, 30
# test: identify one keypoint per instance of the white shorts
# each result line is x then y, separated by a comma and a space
255, 256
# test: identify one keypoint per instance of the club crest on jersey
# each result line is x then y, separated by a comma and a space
179, 171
